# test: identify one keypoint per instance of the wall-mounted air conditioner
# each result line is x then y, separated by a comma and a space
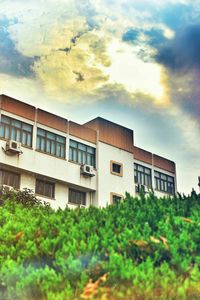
13, 147
87, 170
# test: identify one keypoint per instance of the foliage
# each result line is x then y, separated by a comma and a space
140, 248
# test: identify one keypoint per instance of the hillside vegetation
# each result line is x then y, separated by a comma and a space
141, 248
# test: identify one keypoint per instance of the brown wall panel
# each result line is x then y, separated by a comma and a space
82, 132
142, 155
52, 120
163, 163
113, 134
17, 107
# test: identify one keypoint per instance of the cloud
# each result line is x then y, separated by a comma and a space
182, 53
11, 60
76, 74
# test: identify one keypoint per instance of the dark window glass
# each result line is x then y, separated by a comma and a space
9, 178
142, 175
81, 153
45, 188
116, 168
164, 183
116, 198
16, 130
77, 197
51, 143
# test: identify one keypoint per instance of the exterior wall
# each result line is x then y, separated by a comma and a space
17, 107
113, 134
51, 120
63, 172
164, 164
154, 168
109, 183
82, 132
112, 142
142, 155
61, 192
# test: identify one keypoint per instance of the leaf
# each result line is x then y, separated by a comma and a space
154, 240
186, 220
19, 235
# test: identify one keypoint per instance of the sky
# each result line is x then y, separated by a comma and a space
134, 62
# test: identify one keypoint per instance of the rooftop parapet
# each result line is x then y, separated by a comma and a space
112, 133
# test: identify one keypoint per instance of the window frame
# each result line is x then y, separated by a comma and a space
112, 194
113, 162
164, 182
76, 152
72, 190
10, 173
44, 138
17, 131
145, 177
46, 183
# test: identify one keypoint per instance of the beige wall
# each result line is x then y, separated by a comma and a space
110, 183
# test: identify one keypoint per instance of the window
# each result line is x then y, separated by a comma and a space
9, 178
77, 197
82, 153
164, 183
142, 175
12, 129
116, 168
51, 143
115, 198
45, 188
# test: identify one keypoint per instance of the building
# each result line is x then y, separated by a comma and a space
67, 163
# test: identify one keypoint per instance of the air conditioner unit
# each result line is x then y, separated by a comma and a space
87, 170
13, 147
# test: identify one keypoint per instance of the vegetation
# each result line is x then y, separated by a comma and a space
141, 248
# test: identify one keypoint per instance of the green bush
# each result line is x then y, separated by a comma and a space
148, 247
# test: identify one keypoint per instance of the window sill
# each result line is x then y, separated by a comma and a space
164, 192
50, 154
117, 174
43, 196
77, 205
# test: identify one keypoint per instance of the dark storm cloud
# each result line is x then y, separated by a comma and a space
155, 36
183, 52
12, 62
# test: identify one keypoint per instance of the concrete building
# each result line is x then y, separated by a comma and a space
66, 163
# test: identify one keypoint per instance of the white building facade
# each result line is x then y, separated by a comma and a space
65, 163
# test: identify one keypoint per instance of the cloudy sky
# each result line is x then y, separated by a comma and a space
134, 62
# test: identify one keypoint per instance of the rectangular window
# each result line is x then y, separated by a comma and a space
116, 198
51, 143
81, 153
77, 197
164, 183
11, 129
142, 175
45, 188
116, 168
9, 178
